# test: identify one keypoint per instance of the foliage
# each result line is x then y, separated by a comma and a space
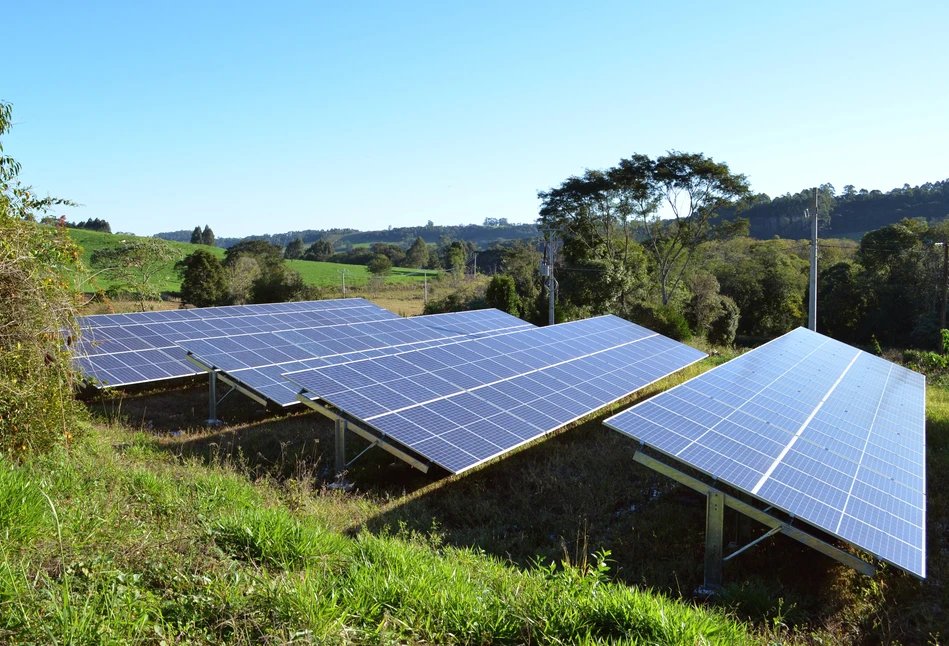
37, 320
417, 254
134, 264
207, 236
294, 250
267, 255
241, 275
501, 294
204, 281
768, 284
380, 265
92, 224
663, 319
724, 327
281, 285
467, 296
196, 236
321, 250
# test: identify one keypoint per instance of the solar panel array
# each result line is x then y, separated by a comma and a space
258, 361
462, 404
827, 433
125, 349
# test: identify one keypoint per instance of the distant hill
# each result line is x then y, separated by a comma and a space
847, 215
481, 235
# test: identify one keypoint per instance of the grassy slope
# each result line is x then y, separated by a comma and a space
321, 274
230, 535
135, 545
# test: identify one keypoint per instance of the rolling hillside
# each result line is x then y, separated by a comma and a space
320, 274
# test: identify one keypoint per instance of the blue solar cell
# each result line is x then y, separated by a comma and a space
128, 335
821, 430
510, 388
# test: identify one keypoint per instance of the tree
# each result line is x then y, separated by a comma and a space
502, 294
693, 187
294, 250
520, 262
282, 285
241, 276
204, 282
207, 236
380, 265
134, 263
417, 255
320, 250
196, 236
597, 215
268, 256
454, 258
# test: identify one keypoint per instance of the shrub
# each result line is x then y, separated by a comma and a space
663, 319
37, 313
722, 330
502, 294
204, 282
380, 265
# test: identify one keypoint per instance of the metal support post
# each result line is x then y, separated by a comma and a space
550, 278
340, 446
812, 304
212, 399
714, 525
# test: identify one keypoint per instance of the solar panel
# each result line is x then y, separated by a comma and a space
257, 361
812, 426
462, 404
125, 349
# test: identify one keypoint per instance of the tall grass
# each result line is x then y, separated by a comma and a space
143, 547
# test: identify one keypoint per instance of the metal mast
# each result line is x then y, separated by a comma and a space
812, 305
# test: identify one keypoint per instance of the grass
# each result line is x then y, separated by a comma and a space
541, 514
320, 274
136, 544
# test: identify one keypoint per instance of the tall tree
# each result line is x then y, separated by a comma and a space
598, 217
691, 187
320, 250
294, 250
196, 236
417, 255
203, 279
207, 236
268, 256
135, 263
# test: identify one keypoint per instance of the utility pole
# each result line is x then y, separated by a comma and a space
945, 285
425, 293
549, 273
812, 305
342, 273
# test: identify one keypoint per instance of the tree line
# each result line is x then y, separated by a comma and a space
646, 240
850, 212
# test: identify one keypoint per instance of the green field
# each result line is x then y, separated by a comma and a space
320, 274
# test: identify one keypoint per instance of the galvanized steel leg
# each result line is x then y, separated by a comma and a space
340, 446
714, 523
212, 399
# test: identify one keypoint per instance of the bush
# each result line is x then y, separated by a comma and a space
204, 282
663, 319
502, 294
380, 265
37, 314
723, 329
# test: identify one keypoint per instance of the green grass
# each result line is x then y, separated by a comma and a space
328, 274
132, 544
564, 500
320, 274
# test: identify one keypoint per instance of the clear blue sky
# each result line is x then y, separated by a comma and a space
269, 117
